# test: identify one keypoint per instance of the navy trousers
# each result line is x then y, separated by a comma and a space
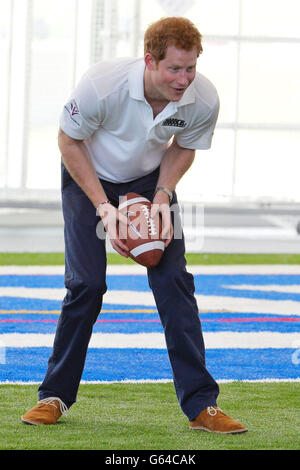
85, 281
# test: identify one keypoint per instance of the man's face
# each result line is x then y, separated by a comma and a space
171, 76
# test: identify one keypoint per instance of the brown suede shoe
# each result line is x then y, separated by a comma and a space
47, 411
213, 419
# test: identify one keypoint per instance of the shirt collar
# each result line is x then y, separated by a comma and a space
136, 80
188, 96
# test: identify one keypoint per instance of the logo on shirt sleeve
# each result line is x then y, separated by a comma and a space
74, 109
74, 112
174, 122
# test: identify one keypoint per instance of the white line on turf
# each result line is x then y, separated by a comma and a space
288, 289
153, 381
134, 269
213, 340
205, 302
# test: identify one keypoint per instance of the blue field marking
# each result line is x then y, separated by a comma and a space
32, 281
149, 322
218, 285
30, 364
22, 303
205, 284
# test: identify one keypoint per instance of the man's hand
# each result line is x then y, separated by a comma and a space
161, 206
111, 219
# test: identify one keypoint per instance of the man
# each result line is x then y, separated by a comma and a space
115, 137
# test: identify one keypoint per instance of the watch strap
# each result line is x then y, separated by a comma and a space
166, 190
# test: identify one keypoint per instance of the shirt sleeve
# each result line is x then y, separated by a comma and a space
81, 115
199, 135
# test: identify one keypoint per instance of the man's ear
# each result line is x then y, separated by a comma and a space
150, 61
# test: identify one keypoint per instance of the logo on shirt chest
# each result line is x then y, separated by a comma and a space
173, 122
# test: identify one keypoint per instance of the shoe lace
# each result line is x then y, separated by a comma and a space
213, 410
49, 401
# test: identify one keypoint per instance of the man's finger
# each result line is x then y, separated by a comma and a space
167, 233
169, 239
155, 210
120, 247
166, 223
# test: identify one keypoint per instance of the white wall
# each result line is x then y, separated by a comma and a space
251, 53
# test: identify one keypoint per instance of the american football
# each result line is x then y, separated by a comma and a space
143, 237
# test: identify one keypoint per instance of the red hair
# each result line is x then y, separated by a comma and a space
172, 31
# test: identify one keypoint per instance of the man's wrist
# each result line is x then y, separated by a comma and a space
101, 205
165, 190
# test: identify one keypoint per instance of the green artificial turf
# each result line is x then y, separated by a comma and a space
147, 417
39, 259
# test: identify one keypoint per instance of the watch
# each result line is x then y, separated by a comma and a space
166, 190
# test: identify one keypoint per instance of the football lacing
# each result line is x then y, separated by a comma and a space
150, 221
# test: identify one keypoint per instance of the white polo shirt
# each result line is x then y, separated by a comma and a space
109, 112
